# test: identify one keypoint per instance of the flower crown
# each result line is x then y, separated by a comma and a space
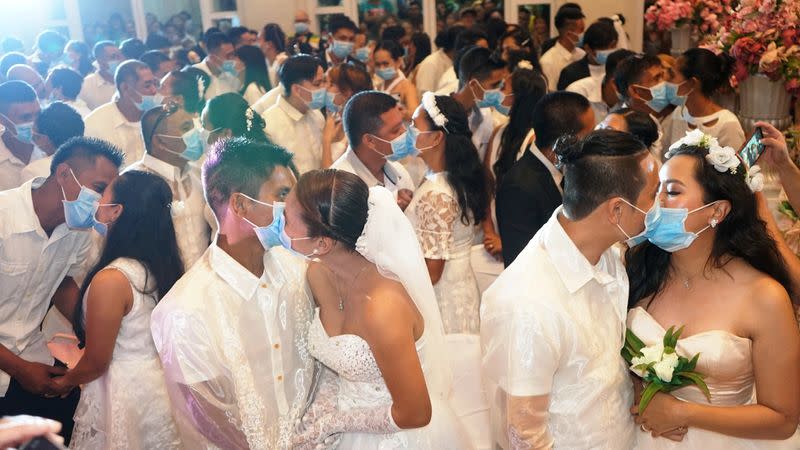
429, 103
248, 114
724, 159
525, 64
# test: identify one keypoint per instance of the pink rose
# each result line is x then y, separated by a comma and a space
747, 50
770, 62
740, 71
793, 86
790, 36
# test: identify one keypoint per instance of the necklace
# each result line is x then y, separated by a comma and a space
339, 292
687, 280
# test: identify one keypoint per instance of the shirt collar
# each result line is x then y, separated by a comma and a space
554, 172
6, 155
233, 273
365, 174
25, 219
290, 110
573, 268
164, 169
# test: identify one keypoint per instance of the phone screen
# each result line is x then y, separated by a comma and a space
752, 149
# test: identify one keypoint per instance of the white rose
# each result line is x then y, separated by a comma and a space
650, 354
756, 182
723, 159
664, 370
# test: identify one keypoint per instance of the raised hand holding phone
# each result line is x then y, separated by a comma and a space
753, 149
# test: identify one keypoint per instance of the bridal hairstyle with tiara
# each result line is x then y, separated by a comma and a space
742, 234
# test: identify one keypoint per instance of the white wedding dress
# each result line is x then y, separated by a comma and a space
128, 407
361, 386
726, 362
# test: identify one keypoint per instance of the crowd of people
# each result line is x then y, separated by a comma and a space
270, 242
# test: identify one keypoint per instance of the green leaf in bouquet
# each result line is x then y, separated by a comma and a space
692, 364
671, 337
649, 392
633, 341
697, 379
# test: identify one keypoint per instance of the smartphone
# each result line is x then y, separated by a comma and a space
41, 443
753, 149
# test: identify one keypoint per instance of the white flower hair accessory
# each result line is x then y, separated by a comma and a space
525, 64
429, 103
248, 114
755, 179
724, 159
201, 88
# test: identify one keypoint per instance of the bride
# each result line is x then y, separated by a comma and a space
711, 266
377, 326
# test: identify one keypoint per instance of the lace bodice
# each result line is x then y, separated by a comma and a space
725, 360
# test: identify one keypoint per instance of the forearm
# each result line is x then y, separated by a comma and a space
528, 419
212, 422
487, 225
9, 362
790, 179
87, 370
327, 155
792, 261
747, 422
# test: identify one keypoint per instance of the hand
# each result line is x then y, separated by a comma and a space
331, 129
404, 197
321, 432
677, 434
776, 153
493, 245
62, 387
16, 430
37, 378
664, 414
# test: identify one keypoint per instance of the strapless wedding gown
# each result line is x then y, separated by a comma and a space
361, 386
726, 362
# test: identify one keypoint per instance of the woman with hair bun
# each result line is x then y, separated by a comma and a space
700, 73
711, 268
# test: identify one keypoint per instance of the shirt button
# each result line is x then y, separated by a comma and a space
263, 285
280, 377
276, 346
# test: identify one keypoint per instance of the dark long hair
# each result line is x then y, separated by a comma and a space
528, 87
187, 84
255, 67
423, 44
85, 57
230, 111
465, 172
335, 205
143, 232
741, 235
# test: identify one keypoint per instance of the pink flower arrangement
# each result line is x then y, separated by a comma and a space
763, 36
705, 16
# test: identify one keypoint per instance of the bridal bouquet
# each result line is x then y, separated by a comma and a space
660, 366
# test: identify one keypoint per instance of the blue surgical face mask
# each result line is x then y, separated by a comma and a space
25, 132
194, 144
413, 134
229, 66
341, 49
492, 98
329, 102
112, 67
666, 227
672, 94
660, 99
101, 227
300, 27
362, 54
386, 73
601, 56
633, 241
401, 147
270, 235
318, 97
149, 102
79, 213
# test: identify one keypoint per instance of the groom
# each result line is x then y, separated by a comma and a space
231, 333
553, 324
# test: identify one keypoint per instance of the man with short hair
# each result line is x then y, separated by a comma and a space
241, 36
531, 190
172, 142
64, 84
98, 86
448, 83
601, 92
132, 48
118, 121
635, 78
570, 25
159, 63
478, 72
235, 363
372, 120
431, 69
48, 49
55, 125
44, 237
294, 121
24, 72
550, 42
304, 40
599, 41
553, 324
222, 65
19, 107
342, 41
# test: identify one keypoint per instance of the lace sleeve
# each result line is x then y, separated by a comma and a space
437, 213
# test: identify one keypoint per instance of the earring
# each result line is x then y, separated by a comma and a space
714, 223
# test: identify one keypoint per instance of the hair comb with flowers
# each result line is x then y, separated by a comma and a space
429, 103
724, 159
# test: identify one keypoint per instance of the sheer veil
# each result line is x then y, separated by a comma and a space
389, 242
